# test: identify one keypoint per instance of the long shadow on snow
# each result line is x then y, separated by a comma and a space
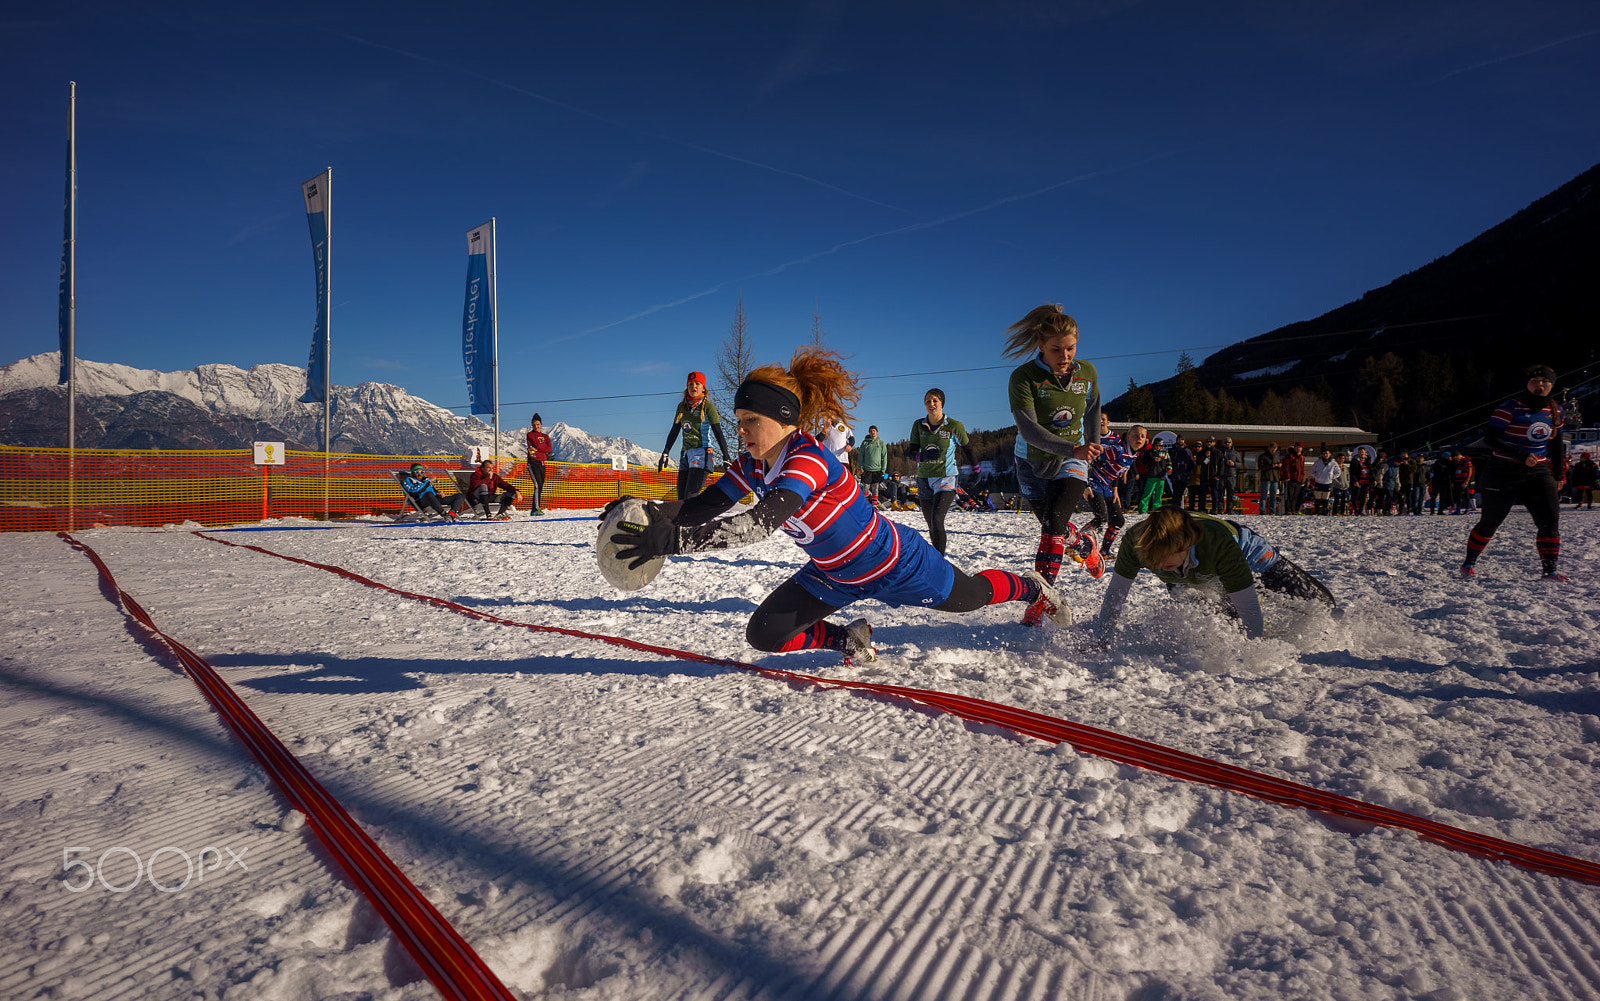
631, 909
547, 544
599, 603
1344, 658
1586, 703
382, 675
1570, 670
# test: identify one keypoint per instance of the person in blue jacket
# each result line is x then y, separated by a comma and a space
422, 491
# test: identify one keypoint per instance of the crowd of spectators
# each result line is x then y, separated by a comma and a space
1211, 476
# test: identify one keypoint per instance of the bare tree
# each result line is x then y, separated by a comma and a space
735, 359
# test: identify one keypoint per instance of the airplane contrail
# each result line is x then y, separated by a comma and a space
897, 231
1514, 55
614, 123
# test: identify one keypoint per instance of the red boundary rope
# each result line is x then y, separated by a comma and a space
1105, 743
449, 962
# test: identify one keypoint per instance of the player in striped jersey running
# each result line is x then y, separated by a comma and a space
1528, 465
803, 489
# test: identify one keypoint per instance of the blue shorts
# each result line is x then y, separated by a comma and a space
921, 577
1033, 487
1258, 552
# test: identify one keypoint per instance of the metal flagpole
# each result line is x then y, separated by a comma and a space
327, 341
494, 332
72, 305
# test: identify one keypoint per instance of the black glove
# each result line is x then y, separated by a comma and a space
931, 453
658, 537
607, 509
662, 464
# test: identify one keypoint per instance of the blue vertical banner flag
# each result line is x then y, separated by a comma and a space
69, 231
316, 196
477, 320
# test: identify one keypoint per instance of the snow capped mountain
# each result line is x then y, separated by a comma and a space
576, 445
262, 391
223, 406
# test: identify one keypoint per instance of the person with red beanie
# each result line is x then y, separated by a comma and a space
697, 418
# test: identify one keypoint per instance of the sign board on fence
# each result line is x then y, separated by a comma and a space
269, 453
619, 463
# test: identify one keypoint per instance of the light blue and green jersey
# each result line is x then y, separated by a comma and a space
944, 438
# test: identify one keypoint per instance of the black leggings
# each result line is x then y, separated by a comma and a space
1060, 500
935, 504
536, 473
691, 481
791, 609
1507, 483
1107, 511
434, 502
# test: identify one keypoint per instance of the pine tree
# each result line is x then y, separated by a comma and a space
735, 359
1140, 403
1191, 404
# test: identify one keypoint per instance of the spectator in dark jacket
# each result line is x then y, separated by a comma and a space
1585, 480
1182, 469
1229, 465
1414, 479
1205, 464
1270, 479
1442, 482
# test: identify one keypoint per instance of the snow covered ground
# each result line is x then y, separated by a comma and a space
601, 823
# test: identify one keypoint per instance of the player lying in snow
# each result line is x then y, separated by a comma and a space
1197, 551
804, 490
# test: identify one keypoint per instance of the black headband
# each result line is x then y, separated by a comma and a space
768, 400
1542, 372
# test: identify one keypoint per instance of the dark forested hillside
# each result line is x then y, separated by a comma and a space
1419, 358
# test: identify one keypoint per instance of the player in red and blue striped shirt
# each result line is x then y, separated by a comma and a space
1528, 465
802, 489
1109, 469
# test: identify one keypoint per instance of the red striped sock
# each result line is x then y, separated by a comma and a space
1009, 586
818, 636
1549, 547
1475, 545
1048, 559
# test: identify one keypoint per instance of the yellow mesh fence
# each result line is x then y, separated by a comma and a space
45, 489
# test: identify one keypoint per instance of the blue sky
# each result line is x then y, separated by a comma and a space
917, 174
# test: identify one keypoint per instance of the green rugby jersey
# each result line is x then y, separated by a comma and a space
935, 448
1059, 404
695, 422
1217, 556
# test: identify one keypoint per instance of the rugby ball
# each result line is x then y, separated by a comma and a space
616, 571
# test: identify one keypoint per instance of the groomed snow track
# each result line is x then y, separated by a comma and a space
583, 846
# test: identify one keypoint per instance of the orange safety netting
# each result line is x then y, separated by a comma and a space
52, 489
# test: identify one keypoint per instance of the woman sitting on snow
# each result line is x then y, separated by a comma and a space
1205, 553
803, 489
